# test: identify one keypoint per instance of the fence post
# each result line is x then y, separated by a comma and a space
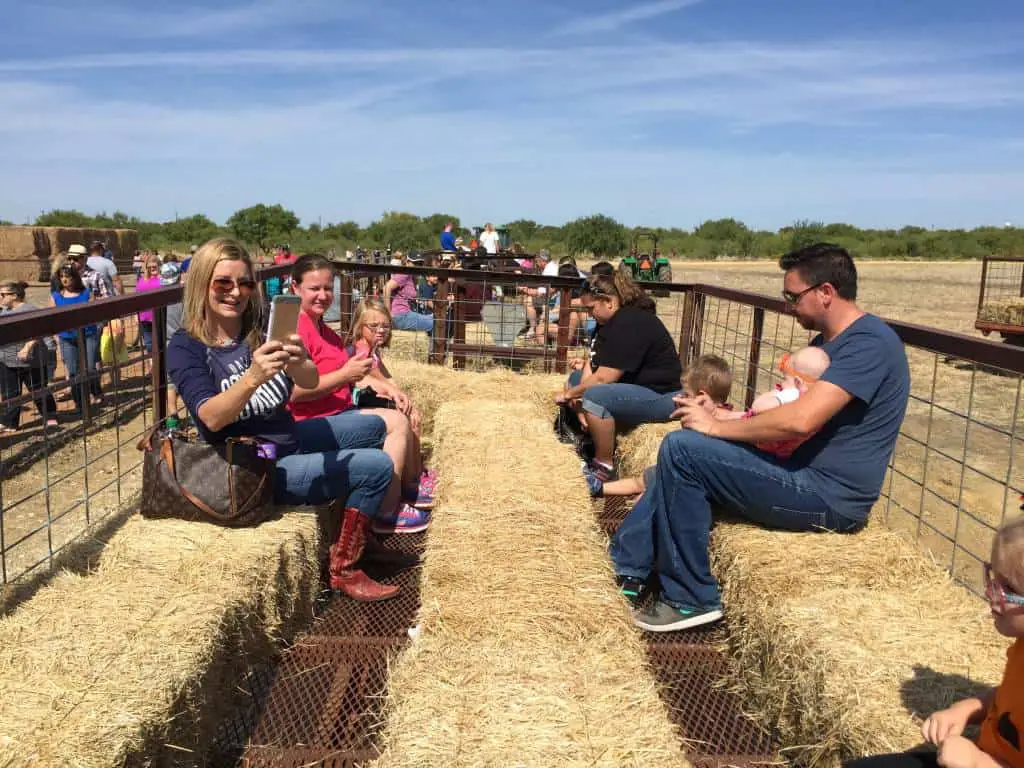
459, 353
562, 340
754, 358
693, 325
439, 338
159, 364
345, 304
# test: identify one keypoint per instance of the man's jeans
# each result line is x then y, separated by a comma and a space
413, 321
323, 469
629, 404
671, 523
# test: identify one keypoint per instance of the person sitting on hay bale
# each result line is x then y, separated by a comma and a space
235, 384
634, 371
707, 377
801, 369
850, 419
341, 369
1000, 710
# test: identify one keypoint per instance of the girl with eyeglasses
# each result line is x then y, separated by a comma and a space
342, 368
236, 384
23, 364
998, 711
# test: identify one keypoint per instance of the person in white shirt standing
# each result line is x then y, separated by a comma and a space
98, 262
489, 239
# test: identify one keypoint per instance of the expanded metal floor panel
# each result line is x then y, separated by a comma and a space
691, 668
321, 705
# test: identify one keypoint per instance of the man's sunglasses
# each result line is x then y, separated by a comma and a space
224, 285
794, 298
997, 594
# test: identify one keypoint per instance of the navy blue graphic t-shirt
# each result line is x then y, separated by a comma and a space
200, 372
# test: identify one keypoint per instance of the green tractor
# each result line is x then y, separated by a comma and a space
647, 265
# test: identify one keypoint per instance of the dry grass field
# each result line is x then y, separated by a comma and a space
48, 479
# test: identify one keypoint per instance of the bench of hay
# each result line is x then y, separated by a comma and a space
841, 643
137, 662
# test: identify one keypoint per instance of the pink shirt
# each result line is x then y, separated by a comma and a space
146, 284
406, 292
327, 352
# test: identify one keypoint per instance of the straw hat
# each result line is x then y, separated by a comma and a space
77, 250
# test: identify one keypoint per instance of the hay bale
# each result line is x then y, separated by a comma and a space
138, 662
23, 253
534, 661
841, 643
1006, 311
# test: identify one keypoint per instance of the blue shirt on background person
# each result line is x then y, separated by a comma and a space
447, 241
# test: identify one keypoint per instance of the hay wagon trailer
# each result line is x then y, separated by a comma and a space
1001, 298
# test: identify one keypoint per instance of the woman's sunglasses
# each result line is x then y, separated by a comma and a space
224, 285
594, 290
997, 594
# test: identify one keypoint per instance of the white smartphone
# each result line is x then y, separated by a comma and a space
284, 317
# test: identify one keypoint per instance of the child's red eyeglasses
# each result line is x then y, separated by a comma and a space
998, 594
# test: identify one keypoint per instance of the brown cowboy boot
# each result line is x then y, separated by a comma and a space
345, 577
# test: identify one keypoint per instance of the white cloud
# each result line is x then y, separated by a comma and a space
609, 22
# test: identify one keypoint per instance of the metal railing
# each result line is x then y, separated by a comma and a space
956, 472
954, 477
58, 482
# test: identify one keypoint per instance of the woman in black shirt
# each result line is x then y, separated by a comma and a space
633, 374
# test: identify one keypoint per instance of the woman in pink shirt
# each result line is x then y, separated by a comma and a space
341, 369
149, 281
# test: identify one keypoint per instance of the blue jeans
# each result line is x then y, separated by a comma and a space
671, 523
322, 470
146, 334
629, 404
69, 353
413, 321
348, 430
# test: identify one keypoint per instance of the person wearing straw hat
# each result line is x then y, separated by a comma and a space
850, 419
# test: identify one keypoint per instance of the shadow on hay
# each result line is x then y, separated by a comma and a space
80, 556
929, 691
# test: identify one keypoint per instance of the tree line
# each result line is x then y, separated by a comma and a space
263, 226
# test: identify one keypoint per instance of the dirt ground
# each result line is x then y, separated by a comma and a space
959, 446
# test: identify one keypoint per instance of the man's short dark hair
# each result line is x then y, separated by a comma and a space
824, 263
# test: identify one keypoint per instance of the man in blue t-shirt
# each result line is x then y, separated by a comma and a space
448, 237
850, 418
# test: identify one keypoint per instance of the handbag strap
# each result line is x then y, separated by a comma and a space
231, 480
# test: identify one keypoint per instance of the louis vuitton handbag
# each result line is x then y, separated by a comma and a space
184, 477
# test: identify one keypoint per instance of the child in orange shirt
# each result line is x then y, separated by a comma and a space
1001, 710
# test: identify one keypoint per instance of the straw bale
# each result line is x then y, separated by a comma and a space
23, 252
526, 654
136, 663
1008, 311
841, 643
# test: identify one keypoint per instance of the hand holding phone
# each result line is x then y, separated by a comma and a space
284, 317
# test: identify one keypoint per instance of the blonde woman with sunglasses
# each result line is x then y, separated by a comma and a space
235, 384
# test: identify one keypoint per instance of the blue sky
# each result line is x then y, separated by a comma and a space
665, 112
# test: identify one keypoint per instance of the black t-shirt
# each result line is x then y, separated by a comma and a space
637, 343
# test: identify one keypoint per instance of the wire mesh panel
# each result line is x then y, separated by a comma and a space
956, 472
72, 460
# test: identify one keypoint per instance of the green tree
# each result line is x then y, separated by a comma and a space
65, 218
6, 223
600, 235
263, 224
436, 222
806, 232
399, 231
343, 230
194, 230
522, 230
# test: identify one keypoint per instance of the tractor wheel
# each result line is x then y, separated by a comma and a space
663, 275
